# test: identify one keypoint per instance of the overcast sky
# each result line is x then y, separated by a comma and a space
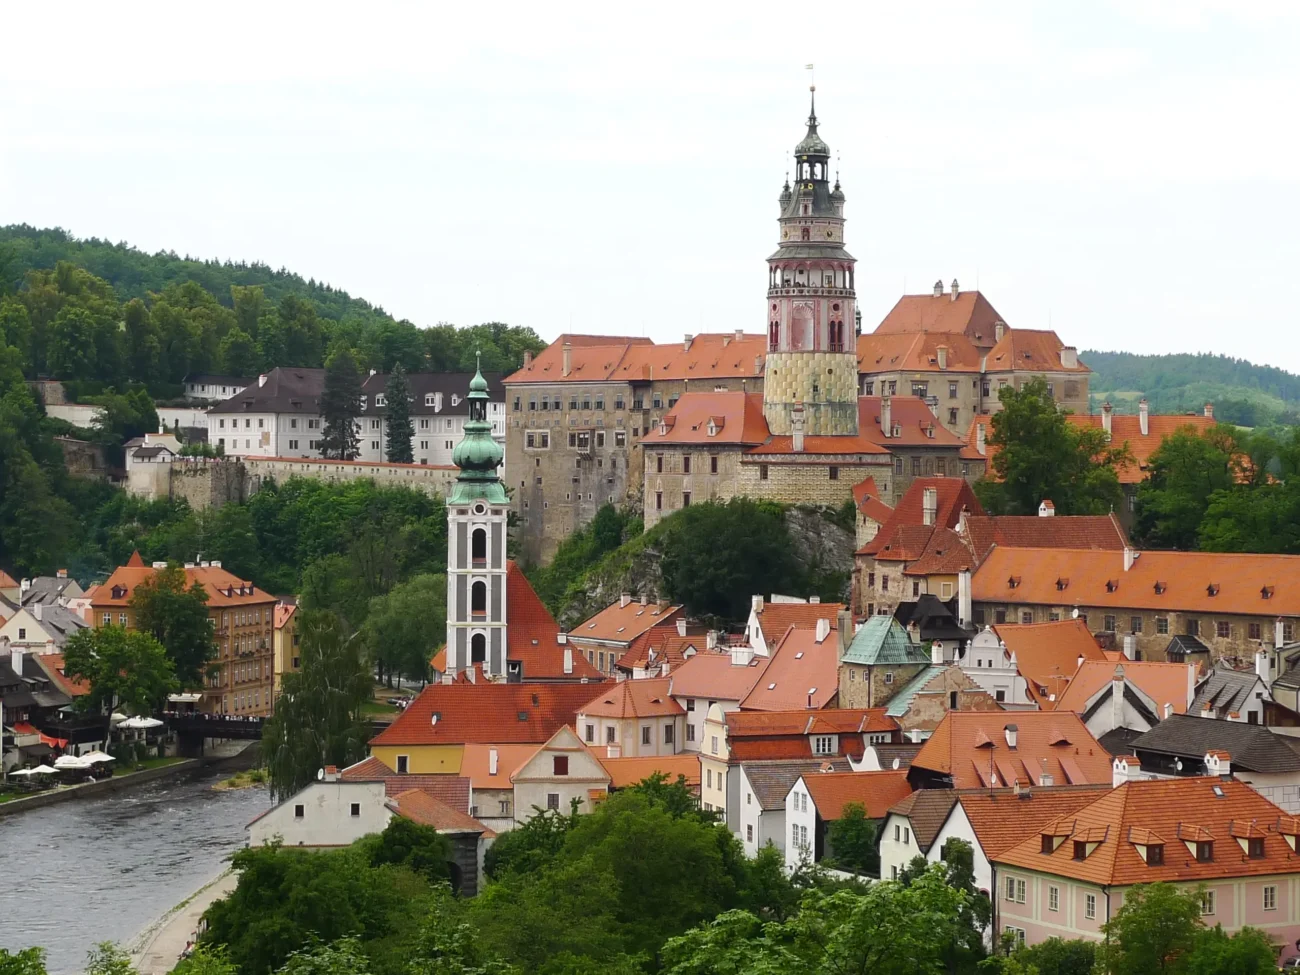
1125, 173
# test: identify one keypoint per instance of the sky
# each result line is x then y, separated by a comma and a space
1122, 172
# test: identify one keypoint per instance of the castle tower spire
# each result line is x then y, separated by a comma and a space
811, 361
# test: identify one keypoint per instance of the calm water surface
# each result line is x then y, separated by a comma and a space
94, 870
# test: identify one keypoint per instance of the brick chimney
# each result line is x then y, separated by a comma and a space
1144, 416
566, 359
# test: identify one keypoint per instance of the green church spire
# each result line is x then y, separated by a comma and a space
477, 455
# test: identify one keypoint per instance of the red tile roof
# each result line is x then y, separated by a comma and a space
945, 553
735, 418
918, 426
592, 358
54, 665
624, 772
7, 581
217, 582
1030, 350
531, 634
451, 789
284, 613
486, 712
874, 791
913, 351
623, 624
422, 807
1030, 531
1000, 818
1164, 683
952, 494
827, 721
864, 443
664, 645
712, 676
1228, 584
1047, 654
777, 617
972, 748
633, 699
802, 673
970, 314
476, 763
1164, 810
623, 359
867, 497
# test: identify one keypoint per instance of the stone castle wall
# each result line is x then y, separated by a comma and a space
825, 382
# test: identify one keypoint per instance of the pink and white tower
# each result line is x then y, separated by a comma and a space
811, 379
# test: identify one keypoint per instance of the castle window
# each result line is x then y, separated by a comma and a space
477, 648
478, 547
478, 599
806, 234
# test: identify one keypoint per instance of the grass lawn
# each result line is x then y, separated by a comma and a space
375, 708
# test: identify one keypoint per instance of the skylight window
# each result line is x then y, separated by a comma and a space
771, 687
799, 655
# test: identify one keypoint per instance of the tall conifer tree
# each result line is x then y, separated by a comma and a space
397, 395
340, 405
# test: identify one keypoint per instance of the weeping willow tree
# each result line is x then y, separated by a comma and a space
317, 720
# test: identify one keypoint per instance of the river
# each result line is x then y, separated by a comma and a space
102, 869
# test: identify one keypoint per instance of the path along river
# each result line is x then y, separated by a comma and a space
92, 870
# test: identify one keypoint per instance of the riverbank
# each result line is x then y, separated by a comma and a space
157, 949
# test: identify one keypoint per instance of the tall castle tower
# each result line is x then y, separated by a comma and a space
811, 379
476, 546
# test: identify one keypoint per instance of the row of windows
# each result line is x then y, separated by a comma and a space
927, 466
312, 424
1015, 893
1223, 629
647, 734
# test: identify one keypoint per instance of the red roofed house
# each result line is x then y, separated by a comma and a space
871, 512
1030, 664
718, 680
633, 718
803, 671
819, 798
562, 774
608, 635
1073, 873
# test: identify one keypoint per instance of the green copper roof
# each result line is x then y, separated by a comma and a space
882, 640
477, 455
901, 701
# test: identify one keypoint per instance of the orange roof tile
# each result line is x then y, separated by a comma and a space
420, 807
712, 676
591, 359
451, 789
1030, 350
1031, 531
971, 747
952, 495
624, 772
224, 589
867, 497
1173, 809
486, 712
476, 763
1047, 654
916, 424
777, 617
945, 552
617, 623
1237, 584
916, 352
1164, 683
970, 314
802, 673
623, 359
874, 791
1000, 818
633, 699
283, 613
734, 418
7, 581
826, 721
661, 645
54, 666
532, 634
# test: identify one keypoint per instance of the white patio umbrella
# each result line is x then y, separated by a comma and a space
70, 762
22, 771
42, 770
140, 723
98, 756
116, 718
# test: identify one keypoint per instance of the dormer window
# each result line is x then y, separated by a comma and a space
1212, 589
1266, 592
380, 400
1159, 588
1156, 855
1013, 582
428, 399
1080, 850
455, 400
1062, 583
1205, 851
1112, 585
1255, 848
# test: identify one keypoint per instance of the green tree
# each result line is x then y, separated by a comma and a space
1057, 956
1184, 473
71, 348
1248, 952
397, 397
345, 956
1154, 931
531, 846
1040, 454
340, 405
106, 958
124, 668
239, 354
205, 960
27, 961
404, 627
852, 841
405, 843
317, 719
177, 617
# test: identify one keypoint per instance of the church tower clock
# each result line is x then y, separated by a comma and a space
811, 340
476, 546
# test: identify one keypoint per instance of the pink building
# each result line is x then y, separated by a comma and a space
1070, 877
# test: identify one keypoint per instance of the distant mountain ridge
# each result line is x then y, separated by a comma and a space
1242, 392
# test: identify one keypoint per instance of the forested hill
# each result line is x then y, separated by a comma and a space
134, 273
1242, 392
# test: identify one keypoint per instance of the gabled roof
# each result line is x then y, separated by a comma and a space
874, 791
1000, 818
972, 748
1226, 690
859, 444
867, 497
486, 712
617, 623
625, 772
1047, 654
945, 553
1125, 428
927, 810
802, 722
422, 807
771, 781
901, 702
1030, 350
880, 641
881, 352
454, 387
633, 699
224, 588
1250, 746
662, 645
777, 617
970, 314
905, 535
712, 676
54, 665
476, 763
283, 613
1219, 583
1166, 810
532, 635
1102, 532
916, 424
803, 673
451, 789
598, 358
734, 418
1163, 683
287, 389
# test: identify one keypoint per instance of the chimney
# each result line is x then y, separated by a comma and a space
844, 627
941, 354
954, 289
1209, 410
936, 653
215, 563
1011, 731
756, 605
624, 599
613, 751
261, 380
886, 417
1046, 509
37, 610
1117, 697
686, 343
330, 773
16, 660
1130, 556
1106, 409
711, 640
528, 359
1218, 762
1279, 633
741, 656
681, 626
1130, 646
796, 428
964, 612
980, 445
999, 330
373, 371
1144, 416
160, 565
1169, 709
929, 505
61, 574
568, 658
566, 359
1261, 665
1125, 768
740, 334
823, 629
1069, 357
24, 585
938, 288
493, 758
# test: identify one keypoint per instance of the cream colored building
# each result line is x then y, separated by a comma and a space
560, 773
715, 758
